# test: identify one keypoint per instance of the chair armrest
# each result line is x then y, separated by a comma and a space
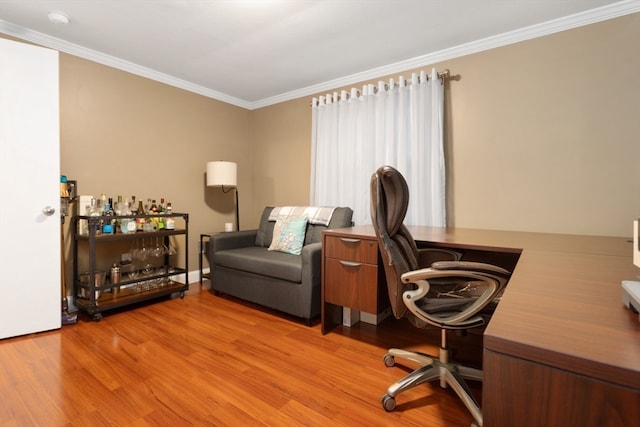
494, 281
427, 256
479, 267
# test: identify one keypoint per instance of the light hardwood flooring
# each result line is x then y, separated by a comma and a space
208, 360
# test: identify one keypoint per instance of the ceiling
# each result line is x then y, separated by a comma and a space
253, 53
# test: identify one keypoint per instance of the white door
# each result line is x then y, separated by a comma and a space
30, 296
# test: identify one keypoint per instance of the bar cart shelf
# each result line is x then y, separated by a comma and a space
95, 291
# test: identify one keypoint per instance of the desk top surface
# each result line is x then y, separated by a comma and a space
563, 305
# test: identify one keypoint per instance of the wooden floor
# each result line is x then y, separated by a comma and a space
206, 360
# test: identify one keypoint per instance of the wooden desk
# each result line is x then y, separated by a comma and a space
561, 349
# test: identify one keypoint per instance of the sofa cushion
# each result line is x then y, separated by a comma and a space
259, 260
288, 234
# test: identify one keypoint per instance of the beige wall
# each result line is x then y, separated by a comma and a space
543, 135
124, 134
281, 144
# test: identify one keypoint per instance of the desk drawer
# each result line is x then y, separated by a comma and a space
351, 284
351, 249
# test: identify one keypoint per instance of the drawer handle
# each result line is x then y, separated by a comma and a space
348, 240
350, 264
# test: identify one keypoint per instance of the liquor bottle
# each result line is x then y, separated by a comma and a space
130, 222
124, 209
109, 221
133, 206
94, 212
126, 206
169, 221
115, 209
140, 221
160, 220
119, 206
83, 225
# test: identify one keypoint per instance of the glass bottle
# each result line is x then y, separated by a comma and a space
109, 220
126, 206
83, 225
94, 212
140, 221
115, 209
119, 206
122, 209
131, 223
169, 222
133, 206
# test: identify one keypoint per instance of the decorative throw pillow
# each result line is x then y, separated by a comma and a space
288, 234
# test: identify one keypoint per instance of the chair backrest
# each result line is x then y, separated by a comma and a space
389, 202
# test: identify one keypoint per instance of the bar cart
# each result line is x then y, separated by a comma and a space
147, 273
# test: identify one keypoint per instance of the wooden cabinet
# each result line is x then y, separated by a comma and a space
351, 276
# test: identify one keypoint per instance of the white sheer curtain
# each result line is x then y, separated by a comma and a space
396, 123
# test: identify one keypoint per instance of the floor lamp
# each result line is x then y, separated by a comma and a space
225, 174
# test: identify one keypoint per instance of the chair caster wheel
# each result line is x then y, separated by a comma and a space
389, 360
388, 403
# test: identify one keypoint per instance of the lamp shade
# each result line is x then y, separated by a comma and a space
221, 173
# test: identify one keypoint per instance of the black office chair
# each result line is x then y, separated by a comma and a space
449, 294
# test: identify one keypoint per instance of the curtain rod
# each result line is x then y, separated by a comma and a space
444, 76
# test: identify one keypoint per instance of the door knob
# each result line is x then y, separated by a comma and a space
48, 210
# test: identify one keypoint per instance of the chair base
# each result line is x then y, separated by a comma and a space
431, 368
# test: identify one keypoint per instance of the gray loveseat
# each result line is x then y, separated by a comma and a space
243, 267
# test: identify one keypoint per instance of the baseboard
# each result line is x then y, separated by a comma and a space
350, 316
194, 276
374, 319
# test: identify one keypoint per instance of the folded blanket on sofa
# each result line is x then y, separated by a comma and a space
315, 214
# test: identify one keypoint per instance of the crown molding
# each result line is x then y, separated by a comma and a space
603, 13
592, 16
115, 62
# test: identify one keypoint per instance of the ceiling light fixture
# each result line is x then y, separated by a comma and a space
58, 17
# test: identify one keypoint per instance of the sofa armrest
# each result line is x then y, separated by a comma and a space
312, 275
311, 263
232, 240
